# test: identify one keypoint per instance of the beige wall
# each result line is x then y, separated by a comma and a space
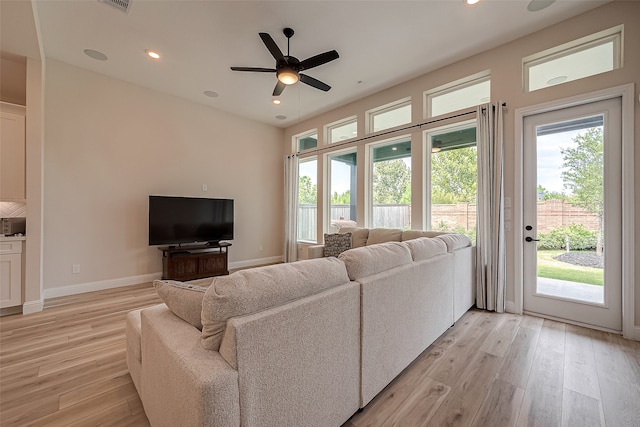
505, 63
109, 144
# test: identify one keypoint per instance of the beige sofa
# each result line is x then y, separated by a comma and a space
460, 246
305, 343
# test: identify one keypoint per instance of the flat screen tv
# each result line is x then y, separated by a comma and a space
177, 220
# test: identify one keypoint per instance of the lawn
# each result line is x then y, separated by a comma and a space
553, 269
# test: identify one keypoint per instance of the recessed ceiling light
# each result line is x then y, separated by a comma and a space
471, 2
281, 117
95, 54
276, 101
152, 54
556, 80
211, 94
536, 5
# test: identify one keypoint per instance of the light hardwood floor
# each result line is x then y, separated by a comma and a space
66, 367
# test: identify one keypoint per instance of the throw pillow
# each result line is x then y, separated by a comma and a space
335, 244
183, 299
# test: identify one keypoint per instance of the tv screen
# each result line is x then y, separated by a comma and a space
175, 220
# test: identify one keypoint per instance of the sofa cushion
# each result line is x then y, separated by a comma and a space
455, 241
335, 244
426, 247
359, 235
415, 234
369, 260
183, 299
382, 235
248, 291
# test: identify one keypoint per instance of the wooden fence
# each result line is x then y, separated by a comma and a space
551, 214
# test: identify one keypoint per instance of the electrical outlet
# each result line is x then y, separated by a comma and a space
204, 187
75, 269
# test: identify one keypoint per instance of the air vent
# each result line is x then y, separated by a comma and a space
121, 5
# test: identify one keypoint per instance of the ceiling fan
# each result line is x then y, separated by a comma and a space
288, 68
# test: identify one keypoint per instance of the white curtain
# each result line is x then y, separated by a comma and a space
291, 208
490, 238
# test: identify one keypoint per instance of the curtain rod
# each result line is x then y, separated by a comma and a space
365, 138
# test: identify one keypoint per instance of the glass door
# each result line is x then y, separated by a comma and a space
572, 214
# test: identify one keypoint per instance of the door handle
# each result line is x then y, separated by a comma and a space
531, 239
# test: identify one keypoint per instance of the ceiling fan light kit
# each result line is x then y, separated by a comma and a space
288, 68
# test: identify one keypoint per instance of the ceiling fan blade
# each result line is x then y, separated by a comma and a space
272, 46
314, 82
255, 69
279, 88
323, 58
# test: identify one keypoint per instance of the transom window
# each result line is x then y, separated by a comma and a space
588, 56
342, 130
306, 140
463, 93
389, 116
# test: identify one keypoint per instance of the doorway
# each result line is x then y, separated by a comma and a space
572, 214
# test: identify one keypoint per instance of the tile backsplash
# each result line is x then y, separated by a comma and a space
12, 209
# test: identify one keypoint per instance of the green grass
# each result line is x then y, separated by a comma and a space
553, 269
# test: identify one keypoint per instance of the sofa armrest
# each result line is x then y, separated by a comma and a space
315, 251
182, 383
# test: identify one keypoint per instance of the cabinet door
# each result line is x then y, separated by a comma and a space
10, 280
12, 157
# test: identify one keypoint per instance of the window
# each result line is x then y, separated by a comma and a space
452, 179
342, 130
306, 140
342, 187
464, 93
390, 115
581, 58
391, 184
307, 199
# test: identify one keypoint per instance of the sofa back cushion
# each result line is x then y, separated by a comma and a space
358, 235
415, 234
455, 241
383, 235
249, 291
369, 260
426, 247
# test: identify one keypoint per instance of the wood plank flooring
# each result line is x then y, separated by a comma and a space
66, 366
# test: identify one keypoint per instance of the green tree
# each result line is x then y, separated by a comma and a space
307, 191
583, 174
341, 199
550, 195
391, 182
454, 176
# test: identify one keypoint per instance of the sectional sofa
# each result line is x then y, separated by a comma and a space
305, 343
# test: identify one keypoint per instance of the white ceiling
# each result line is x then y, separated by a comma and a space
381, 43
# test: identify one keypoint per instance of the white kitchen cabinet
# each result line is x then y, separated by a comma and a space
12, 152
10, 273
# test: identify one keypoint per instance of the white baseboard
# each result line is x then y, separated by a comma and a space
81, 288
255, 262
32, 306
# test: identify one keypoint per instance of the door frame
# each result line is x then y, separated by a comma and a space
626, 93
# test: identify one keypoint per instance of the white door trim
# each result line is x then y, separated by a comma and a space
626, 92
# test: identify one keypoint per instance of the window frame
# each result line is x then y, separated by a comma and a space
451, 87
369, 148
426, 161
328, 128
601, 38
296, 140
326, 202
371, 114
